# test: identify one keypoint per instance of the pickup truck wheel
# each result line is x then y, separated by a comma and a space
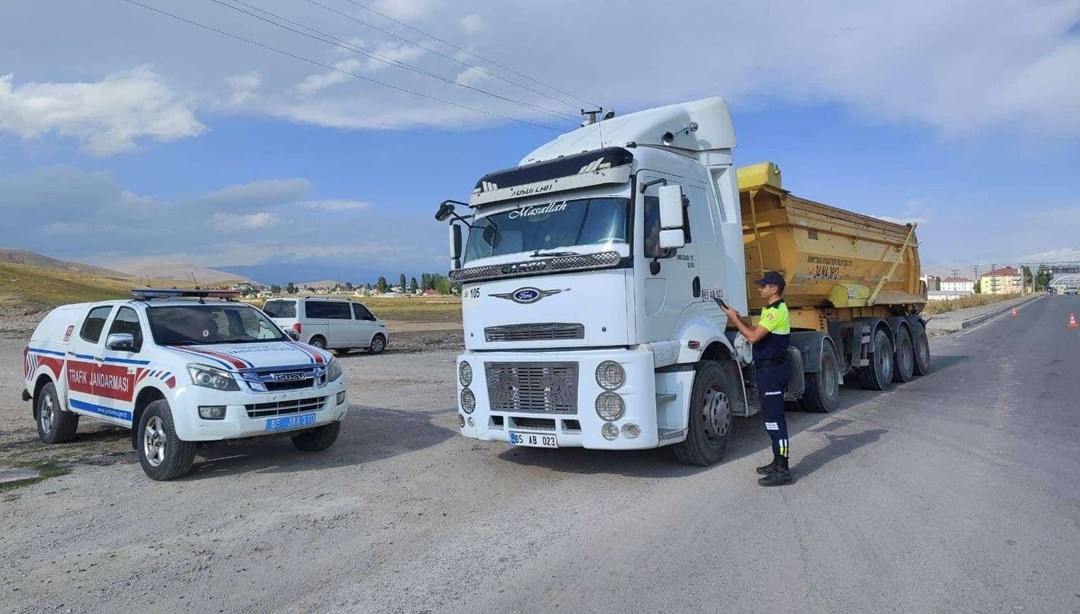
822, 391
904, 369
378, 344
163, 455
879, 373
317, 342
716, 390
54, 425
317, 439
921, 348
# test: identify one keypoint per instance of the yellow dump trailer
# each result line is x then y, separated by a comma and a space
848, 275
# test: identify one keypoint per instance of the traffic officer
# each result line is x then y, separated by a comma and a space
770, 339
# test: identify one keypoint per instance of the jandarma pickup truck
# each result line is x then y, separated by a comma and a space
179, 369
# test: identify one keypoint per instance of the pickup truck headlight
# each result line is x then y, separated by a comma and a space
209, 377
333, 370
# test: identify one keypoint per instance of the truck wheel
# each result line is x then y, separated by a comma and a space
163, 455
878, 374
317, 439
378, 344
823, 388
716, 390
904, 356
921, 348
54, 425
317, 342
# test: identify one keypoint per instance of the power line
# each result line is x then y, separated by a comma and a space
449, 44
344, 44
336, 69
441, 54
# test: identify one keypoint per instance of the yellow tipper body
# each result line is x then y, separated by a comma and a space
837, 263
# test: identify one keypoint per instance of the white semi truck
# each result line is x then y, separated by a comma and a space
589, 275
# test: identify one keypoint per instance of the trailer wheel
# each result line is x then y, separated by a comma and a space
921, 348
716, 391
822, 391
54, 425
879, 373
904, 370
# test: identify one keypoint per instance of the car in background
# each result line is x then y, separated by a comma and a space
1071, 290
329, 323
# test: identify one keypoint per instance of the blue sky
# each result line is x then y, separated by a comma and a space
170, 144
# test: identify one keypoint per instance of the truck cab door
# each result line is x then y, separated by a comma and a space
119, 369
667, 293
82, 357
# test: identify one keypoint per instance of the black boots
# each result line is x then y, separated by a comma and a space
777, 473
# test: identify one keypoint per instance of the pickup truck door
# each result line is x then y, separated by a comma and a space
82, 358
119, 371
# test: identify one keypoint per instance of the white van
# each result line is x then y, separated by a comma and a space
329, 323
177, 372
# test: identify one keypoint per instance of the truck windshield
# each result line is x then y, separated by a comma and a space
557, 224
206, 324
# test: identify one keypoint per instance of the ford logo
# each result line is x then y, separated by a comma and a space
526, 296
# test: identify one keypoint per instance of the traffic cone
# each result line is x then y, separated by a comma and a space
1014, 312
1072, 321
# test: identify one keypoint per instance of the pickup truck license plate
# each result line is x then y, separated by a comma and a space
290, 422
534, 440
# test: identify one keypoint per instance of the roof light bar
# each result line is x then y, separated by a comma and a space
152, 293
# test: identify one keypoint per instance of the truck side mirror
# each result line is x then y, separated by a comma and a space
455, 245
671, 217
120, 342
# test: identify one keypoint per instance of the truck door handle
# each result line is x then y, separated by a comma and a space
697, 287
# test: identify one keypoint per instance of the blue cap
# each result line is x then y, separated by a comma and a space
771, 277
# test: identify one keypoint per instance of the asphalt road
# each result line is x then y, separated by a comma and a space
957, 492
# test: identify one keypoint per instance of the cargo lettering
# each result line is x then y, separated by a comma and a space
826, 267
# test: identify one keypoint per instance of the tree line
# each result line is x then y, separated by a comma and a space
428, 281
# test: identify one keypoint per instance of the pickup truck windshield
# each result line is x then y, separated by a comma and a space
558, 224
206, 324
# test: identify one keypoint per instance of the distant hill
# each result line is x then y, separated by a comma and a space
28, 258
183, 271
32, 287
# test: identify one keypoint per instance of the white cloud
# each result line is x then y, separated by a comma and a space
472, 76
107, 117
407, 10
258, 192
473, 24
335, 205
249, 221
314, 84
243, 86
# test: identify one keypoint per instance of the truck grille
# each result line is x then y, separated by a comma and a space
537, 387
282, 408
547, 331
281, 379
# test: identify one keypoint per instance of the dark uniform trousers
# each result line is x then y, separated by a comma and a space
771, 380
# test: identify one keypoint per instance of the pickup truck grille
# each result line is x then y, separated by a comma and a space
535, 387
281, 379
283, 408
547, 331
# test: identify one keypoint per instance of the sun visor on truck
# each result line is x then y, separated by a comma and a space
603, 166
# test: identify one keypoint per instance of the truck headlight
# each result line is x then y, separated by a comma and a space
209, 377
464, 373
468, 401
609, 406
333, 370
610, 375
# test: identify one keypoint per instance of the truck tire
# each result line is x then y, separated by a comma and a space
921, 348
378, 344
162, 454
716, 390
879, 373
822, 391
904, 357
317, 439
54, 425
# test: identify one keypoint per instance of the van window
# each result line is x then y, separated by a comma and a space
280, 309
329, 310
362, 312
95, 323
127, 321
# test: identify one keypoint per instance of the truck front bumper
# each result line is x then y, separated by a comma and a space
253, 414
527, 393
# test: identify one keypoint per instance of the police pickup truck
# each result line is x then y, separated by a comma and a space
179, 369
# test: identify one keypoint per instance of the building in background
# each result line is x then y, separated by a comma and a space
1001, 281
958, 284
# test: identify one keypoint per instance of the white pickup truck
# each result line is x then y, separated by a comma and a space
179, 371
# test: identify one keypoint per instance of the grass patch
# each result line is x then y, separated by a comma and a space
29, 287
974, 300
415, 309
45, 469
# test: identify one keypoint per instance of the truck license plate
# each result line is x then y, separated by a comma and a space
290, 422
533, 440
